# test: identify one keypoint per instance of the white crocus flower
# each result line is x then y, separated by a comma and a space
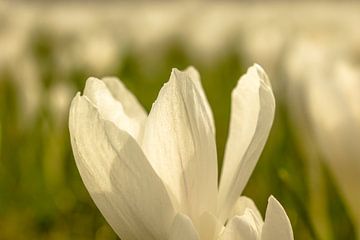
334, 114
155, 176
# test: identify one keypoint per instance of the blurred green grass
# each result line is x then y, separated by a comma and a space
42, 195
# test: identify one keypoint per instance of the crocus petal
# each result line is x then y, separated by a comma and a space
277, 224
180, 144
252, 113
242, 227
118, 176
208, 226
117, 104
195, 77
242, 204
183, 228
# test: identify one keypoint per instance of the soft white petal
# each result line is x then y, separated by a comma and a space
195, 77
242, 227
180, 144
277, 224
118, 176
208, 226
131, 105
242, 204
252, 114
183, 229
116, 104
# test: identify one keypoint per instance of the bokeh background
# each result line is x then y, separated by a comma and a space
310, 50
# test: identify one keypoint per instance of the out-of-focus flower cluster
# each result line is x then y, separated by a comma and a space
310, 51
95, 38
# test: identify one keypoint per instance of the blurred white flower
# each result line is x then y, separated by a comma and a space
264, 43
154, 25
209, 35
323, 98
334, 112
96, 52
29, 87
60, 95
155, 176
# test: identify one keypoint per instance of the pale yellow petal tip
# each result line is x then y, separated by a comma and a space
255, 77
90, 83
75, 98
114, 84
274, 203
260, 73
272, 199
78, 94
191, 70
92, 79
94, 85
175, 71
179, 75
174, 75
95, 81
